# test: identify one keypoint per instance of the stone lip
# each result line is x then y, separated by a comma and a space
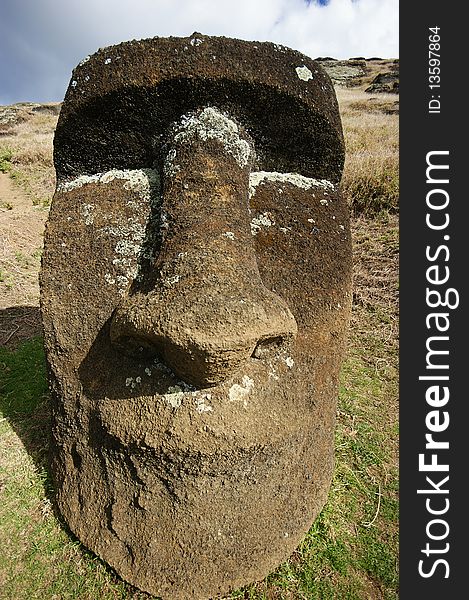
122, 100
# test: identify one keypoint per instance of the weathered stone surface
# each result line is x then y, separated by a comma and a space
345, 72
195, 294
122, 98
385, 83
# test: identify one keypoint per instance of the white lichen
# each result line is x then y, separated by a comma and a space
239, 392
262, 220
289, 361
107, 61
229, 234
128, 247
133, 382
174, 396
172, 280
211, 124
273, 372
170, 168
138, 180
200, 405
85, 60
304, 73
87, 212
306, 183
109, 279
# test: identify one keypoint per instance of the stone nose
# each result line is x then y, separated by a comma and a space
206, 311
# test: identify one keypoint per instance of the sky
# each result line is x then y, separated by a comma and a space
41, 41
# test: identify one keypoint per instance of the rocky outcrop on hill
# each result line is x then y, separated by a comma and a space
376, 75
385, 83
13, 114
344, 72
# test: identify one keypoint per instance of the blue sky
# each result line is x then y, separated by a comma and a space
41, 41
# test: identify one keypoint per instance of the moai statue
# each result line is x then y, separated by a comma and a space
195, 293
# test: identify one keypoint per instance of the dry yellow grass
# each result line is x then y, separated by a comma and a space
371, 174
30, 142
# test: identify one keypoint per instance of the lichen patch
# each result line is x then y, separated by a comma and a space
262, 220
139, 180
174, 399
304, 73
87, 212
211, 124
239, 392
306, 183
200, 403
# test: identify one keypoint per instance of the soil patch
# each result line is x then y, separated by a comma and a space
21, 233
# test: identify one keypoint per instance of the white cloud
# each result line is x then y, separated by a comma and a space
41, 42
342, 29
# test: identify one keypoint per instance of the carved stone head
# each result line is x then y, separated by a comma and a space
195, 293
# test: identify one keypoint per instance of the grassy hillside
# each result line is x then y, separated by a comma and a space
351, 552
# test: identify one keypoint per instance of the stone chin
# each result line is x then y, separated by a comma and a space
198, 484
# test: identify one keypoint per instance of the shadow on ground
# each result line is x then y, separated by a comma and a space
24, 398
18, 324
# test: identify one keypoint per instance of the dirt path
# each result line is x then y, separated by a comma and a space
21, 238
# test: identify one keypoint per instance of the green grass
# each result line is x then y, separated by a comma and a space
5, 160
349, 553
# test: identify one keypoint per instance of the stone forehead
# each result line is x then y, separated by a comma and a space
122, 100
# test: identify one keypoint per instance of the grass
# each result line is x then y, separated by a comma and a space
351, 550
371, 172
26, 155
6, 155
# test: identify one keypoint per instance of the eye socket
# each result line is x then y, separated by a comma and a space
268, 347
136, 347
